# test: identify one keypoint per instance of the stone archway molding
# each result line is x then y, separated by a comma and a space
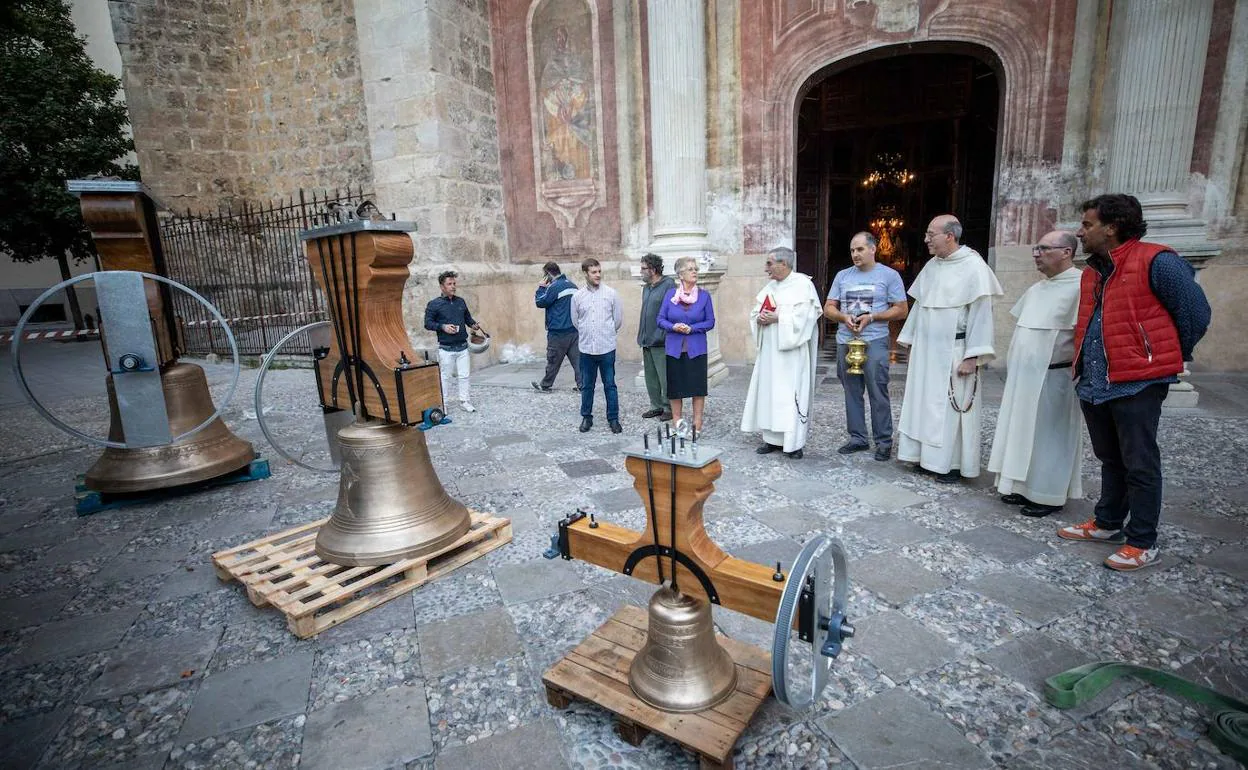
1017, 39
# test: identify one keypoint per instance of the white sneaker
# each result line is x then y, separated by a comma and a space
467, 407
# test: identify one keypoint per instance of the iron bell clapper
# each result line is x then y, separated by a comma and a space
391, 505
212, 452
682, 667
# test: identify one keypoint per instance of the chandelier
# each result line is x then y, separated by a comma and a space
888, 170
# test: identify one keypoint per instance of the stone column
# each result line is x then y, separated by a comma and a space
677, 47
677, 40
1158, 52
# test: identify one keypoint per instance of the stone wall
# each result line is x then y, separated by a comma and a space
181, 84
303, 96
431, 124
236, 100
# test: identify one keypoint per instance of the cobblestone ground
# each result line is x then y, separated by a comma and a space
119, 647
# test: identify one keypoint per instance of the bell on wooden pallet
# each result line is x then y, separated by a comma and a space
682, 666
213, 451
391, 505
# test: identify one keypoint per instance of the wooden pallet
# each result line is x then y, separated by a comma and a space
88, 501
283, 570
597, 672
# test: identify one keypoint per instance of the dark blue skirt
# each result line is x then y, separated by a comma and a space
686, 377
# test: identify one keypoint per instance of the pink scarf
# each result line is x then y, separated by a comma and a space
683, 297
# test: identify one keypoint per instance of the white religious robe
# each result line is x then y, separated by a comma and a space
1037, 451
778, 402
952, 296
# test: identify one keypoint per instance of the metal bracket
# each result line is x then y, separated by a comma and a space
663, 551
559, 546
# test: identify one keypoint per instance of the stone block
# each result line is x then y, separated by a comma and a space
476, 639
1001, 545
794, 520
1171, 614
24, 741
536, 579
892, 528
896, 579
386, 729
582, 468
1035, 601
1031, 658
248, 695
153, 664
32, 610
76, 636
887, 497
528, 747
1231, 559
899, 646
896, 729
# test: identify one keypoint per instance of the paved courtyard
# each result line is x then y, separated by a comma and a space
119, 647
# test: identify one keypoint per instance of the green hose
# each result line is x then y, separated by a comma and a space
1228, 731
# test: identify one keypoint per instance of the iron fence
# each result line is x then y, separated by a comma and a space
249, 262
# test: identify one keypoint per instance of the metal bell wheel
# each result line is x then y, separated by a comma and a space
120, 294
814, 599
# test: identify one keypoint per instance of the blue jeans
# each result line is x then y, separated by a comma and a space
875, 381
590, 366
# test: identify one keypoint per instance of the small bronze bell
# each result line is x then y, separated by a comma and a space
212, 452
855, 356
682, 666
391, 505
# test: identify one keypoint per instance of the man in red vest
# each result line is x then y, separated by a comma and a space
1141, 313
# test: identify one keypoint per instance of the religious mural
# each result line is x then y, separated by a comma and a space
564, 97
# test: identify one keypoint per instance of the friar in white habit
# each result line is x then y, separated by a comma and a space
1037, 451
949, 332
783, 321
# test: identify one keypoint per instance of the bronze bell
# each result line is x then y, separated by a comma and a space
212, 452
391, 505
682, 666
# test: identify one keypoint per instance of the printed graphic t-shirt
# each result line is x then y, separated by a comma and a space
866, 292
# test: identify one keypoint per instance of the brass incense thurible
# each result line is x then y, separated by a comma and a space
855, 356
682, 667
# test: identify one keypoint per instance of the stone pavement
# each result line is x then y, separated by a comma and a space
118, 647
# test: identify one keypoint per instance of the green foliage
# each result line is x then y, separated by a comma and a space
59, 120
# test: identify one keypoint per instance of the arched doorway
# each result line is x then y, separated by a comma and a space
886, 141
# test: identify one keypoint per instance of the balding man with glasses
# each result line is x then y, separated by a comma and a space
1037, 451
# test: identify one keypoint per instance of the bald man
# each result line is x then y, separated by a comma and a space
1037, 451
949, 331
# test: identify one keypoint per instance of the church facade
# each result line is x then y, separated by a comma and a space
517, 131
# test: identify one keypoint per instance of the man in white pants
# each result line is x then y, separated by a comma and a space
448, 315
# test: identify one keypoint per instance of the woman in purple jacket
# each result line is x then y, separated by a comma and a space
687, 315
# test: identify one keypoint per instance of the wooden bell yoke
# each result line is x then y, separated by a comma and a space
121, 217
361, 265
673, 487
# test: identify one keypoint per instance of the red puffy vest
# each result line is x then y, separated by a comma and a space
1141, 340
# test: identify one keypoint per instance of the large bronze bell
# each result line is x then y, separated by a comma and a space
212, 452
391, 505
682, 666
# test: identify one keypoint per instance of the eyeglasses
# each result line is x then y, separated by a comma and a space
1042, 247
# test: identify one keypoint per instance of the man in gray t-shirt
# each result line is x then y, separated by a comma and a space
862, 300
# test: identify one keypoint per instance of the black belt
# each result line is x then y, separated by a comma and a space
1062, 365
960, 336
